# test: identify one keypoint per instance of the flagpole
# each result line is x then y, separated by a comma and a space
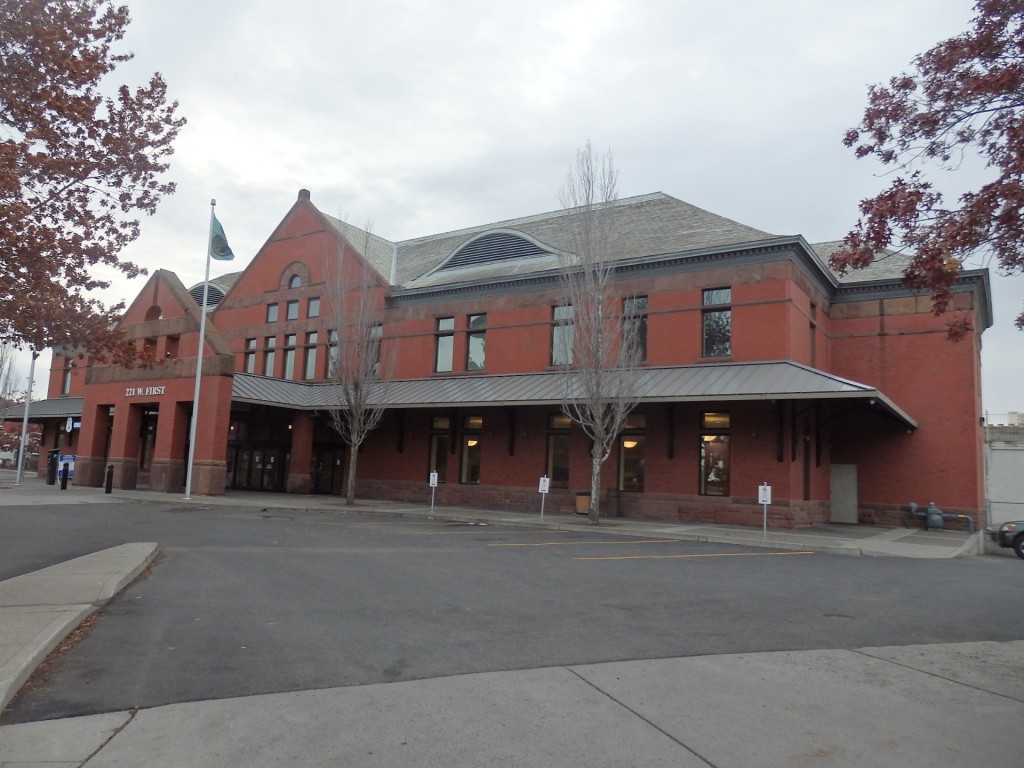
23, 448
199, 361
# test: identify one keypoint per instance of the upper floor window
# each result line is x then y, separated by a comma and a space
476, 342
717, 322
333, 353
289, 356
309, 371
445, 344
269, 344
294, 281
634, 311
250, 356
272, 313
561, 335
292, 310
313, 310
65, 384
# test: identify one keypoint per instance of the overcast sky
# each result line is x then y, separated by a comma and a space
431, 116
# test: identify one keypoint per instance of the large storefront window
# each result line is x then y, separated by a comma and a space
472, 437
714, 454
558, 451
631, 453
440, 436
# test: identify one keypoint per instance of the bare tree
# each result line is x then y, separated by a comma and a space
357, 363
596, 343
10, 380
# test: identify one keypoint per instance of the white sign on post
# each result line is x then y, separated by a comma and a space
433, 479
764, 498
545, 483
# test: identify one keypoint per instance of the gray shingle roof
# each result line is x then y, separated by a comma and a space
888, 265
648, 225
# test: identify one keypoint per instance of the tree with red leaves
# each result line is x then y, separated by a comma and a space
77, 168
964, 97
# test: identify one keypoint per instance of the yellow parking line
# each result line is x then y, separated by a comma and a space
573, 543
676, 557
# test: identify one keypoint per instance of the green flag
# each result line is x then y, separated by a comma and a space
219, 248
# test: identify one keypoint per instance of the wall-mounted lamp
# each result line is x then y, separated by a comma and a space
629, 443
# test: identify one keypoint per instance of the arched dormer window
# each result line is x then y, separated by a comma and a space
492, 247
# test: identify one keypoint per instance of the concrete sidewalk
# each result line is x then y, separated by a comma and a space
831, 538
915, 706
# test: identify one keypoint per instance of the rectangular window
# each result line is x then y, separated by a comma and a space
631, 453
289, 356
332, 354
250, 356
634, 311
65, 386
309, 371
271, 313
440, 433
292, 310
376, 335
476, 342
445, 344
313, 310
561, 335
717, 322
269, 344
557, 467
714, 454
470, 459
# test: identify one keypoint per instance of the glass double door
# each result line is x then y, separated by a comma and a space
260, 469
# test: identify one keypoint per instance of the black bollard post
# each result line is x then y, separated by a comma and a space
64, 476
110, 479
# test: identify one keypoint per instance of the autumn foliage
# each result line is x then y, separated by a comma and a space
80, 161
964, 97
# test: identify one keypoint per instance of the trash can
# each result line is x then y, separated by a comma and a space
612, 507
583, 503
51, 467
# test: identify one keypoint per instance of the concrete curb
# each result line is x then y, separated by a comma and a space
39, 609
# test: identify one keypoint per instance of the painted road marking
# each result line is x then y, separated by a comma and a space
676, 557
573, 543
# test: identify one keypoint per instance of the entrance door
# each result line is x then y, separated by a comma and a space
328, 470
844, 493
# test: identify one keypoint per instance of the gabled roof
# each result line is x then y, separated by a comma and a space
726, 382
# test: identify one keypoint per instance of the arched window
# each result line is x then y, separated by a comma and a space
295, 281
154, 313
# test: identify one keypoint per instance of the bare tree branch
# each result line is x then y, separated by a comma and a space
600, 363
359, 361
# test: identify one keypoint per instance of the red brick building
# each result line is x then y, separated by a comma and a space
761, 365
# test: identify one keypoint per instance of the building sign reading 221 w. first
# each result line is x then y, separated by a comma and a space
143, 391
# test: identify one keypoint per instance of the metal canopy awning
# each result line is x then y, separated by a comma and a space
775, 380
54, 408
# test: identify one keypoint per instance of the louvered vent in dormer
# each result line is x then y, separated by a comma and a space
499, 246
